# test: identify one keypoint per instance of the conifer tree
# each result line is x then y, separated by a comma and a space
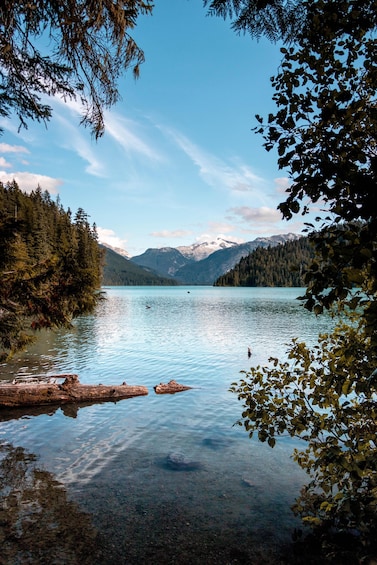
50, 267
88, 47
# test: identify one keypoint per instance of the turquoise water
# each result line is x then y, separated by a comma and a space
105, 467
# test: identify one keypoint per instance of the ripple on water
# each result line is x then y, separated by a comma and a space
112, 457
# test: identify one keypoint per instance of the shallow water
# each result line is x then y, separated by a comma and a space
111, 494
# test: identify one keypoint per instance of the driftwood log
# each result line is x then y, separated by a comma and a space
38, 392
170, 388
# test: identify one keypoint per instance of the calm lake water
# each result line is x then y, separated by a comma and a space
94, 485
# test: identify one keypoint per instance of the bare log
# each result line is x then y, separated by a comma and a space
170, 388
39, 393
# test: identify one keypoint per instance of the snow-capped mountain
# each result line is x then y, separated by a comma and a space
207, 270
187, 269
199, 251
118, 250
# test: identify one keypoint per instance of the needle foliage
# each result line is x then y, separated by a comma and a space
76, 50
50, 266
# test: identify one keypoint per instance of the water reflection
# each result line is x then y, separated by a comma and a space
234, 506
68, 410
38, 524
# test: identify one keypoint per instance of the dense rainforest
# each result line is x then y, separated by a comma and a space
281, 265
50, 265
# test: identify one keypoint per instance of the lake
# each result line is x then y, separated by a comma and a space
97, 484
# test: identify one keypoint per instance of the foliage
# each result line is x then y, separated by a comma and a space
71, 49
325, 131
281, 265
277, 19
50, 266
326, 397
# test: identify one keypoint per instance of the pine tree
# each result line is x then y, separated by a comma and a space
50, 266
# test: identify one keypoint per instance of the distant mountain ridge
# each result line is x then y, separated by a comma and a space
185, 269
118, 250
120, 271
165, 261
199, 251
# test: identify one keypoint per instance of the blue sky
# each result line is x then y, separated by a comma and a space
179, 163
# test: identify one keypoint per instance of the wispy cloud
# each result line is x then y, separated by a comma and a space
4, 163
222, 230
256, 215
6, 148
109, 236
281, 184
122, 130
14, 150
80, 144
214, 171
30, 181
222, 227
119, 128
171, 234
213, 235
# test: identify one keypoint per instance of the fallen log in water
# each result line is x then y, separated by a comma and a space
39, 392
170, 388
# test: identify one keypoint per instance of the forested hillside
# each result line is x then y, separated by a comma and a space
50, 265
282, 265
119, 271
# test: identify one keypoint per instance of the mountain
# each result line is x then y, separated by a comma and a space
199, 251
118, 250
170, 261
165, 261
119, 271
206, 272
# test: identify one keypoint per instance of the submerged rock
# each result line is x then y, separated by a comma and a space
247, 482
217, 443
179, 462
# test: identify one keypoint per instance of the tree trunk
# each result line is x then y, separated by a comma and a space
71, 390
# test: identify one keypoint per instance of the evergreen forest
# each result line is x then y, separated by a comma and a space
50, 265
119, 271
281, 265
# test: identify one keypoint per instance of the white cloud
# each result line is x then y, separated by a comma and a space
223, 227
6, 148
30, 181
120, 129
108, 236
171, 233
81, 146
256, 215
281, 184
95, 167
117, 127
214, 171
213, 236
4, 163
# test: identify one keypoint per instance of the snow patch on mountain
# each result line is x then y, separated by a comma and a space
199, 251
118, 250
